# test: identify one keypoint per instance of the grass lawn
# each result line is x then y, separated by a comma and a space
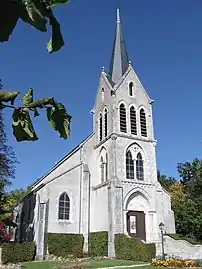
110, 263
150, 267
92, 264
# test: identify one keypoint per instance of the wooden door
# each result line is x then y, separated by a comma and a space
136, 224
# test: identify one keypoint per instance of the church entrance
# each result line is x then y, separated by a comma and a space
136, 224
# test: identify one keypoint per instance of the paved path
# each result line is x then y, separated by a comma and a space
126, 266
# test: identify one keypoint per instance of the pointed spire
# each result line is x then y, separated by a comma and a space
119, 59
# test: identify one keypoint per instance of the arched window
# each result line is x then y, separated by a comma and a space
131, 89
102, 168
133, 123
123, 127
102, 94
129, 166
100, 127
143, 124
64, 207
105, 118
106, 168
139, 167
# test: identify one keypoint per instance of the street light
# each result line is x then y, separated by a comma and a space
161, 227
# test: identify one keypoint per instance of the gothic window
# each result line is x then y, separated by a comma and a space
102, 94
133, 123
106, 168
139, 167
123, 127
64, 207
143, 124
105, 123
129, 166
100, 127
102, 168
131, 89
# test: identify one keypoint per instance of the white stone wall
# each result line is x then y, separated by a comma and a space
69, 183
65, 177
99, 209
179, 248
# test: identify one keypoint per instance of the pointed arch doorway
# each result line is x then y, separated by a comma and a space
136, 224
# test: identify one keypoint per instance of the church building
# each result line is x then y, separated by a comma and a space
109, 181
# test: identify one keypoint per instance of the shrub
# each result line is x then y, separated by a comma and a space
133, 249
65, 244
98, 244
18, 252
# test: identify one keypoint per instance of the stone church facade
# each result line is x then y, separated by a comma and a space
109, 181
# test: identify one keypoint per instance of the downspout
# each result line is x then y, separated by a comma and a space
80, 191
89, 202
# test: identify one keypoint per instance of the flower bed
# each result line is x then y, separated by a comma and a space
170, 262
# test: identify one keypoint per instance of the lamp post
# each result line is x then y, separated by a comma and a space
161, 226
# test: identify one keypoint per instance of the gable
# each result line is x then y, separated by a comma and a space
139, 96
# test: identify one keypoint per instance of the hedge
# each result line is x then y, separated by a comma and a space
98, 244
133, 249
62, 245
18, 252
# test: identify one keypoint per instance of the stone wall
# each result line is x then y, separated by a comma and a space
179, 248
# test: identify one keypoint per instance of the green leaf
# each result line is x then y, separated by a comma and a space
8, 19
55, 2
56, 41
23, 129
34, 13
42, 102
28, 97
36, 113
8, 96
59, 119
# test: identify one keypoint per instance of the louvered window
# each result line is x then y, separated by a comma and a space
143, 124
139, 167
133, 123
123, 127
129, 166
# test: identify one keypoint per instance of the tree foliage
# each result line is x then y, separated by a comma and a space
165, 181
23, 128
7, 160
191, 177
35, 12
186, 197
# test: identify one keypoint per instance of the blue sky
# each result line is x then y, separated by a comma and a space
164, 43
